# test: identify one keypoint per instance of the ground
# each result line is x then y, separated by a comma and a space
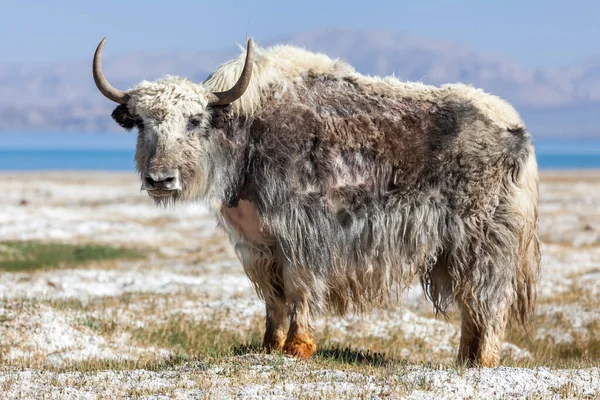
149, 302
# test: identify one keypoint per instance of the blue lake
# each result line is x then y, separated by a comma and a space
41, 160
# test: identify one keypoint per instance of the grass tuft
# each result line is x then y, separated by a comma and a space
29, 255
348, 355
197, 338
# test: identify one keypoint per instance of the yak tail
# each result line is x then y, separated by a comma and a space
529, 257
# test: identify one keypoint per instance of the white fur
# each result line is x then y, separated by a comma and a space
274, 68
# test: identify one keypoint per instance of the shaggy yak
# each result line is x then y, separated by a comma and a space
339, 189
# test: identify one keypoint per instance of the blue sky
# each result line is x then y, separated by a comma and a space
533, 33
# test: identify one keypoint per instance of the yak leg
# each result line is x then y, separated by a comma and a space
276, 325
298, 284
490, 291
300, 341
277, 318
265, 273
483, 325
481, 335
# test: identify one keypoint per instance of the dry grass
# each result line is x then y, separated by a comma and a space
582, 351
195, 340
191, 340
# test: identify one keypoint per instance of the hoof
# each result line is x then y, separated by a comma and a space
300, 347
273, 343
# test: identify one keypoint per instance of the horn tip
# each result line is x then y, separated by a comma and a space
100, 45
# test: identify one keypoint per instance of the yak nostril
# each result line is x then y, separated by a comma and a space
149, 181
161, 184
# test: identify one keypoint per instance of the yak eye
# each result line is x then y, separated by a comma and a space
194, 121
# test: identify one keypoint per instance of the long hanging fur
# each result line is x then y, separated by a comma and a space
357, 184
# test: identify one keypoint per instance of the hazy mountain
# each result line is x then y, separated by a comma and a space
62, 97
383, 53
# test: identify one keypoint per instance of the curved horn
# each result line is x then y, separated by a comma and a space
106, 88
231, 95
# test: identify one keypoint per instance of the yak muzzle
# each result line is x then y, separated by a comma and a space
161, 184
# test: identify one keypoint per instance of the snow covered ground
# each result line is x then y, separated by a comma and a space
53, 323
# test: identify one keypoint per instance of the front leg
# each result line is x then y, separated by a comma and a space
300, 341
276, 324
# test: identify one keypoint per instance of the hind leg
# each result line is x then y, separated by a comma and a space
481, 334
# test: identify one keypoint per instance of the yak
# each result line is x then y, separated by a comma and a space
339, 190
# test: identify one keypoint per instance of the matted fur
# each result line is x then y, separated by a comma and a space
356, 185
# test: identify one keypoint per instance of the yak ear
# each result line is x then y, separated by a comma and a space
123, 117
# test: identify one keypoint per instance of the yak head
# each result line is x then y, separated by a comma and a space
176, 155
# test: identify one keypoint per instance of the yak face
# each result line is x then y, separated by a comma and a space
172, 117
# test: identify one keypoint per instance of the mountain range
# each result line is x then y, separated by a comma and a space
553, 102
